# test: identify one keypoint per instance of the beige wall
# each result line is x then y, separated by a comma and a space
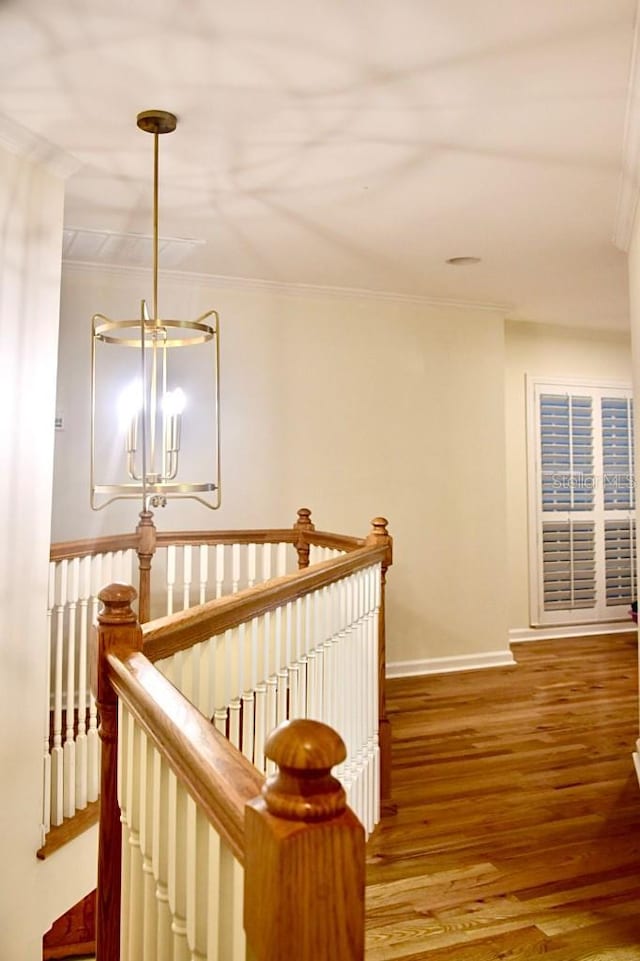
354, 407
544, 351
32, 893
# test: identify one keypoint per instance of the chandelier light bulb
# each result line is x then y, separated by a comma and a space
129, 404
174, 402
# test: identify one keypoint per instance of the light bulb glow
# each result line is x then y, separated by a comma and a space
129, 404
174, 402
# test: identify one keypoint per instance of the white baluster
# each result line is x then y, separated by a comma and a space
186, 581
57, 768
266, 562
248, 724
212, 850
197, 880
235, 712
46, 757
271, 713
235, 568
171, 576
134, 776
288, 633
69, 750
251, 564
294, 690
281, 560
124, 801
149, 911
93, 740
277, 639
232, 940
107, 568
81, 737
260, 726
219, 570
160, 855
177, 868
204, 572
282, 700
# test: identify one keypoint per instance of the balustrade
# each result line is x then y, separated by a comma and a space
314, 652
202, 875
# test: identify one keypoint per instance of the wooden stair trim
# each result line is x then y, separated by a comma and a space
73, 934
69, 829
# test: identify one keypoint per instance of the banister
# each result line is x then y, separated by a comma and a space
266, 536
179, 631
67, 550
301, 846
217, 776
339, 542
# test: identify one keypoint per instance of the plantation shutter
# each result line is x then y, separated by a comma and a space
582, 491
568, 558
566, 448
620, 562
617, 453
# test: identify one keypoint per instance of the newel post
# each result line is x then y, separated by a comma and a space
302, 526
118, 632
146, 531
379, 537
304, 854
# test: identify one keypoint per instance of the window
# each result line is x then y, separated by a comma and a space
582, 501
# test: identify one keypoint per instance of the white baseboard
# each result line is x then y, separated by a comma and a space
448, 665
518, 634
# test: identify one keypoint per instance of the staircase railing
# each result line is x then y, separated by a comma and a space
216, 865
199, 566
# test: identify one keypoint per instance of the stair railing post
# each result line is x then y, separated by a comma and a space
146, 531
304, 854
118, 632
379, 537
304, 525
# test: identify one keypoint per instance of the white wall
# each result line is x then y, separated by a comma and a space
353, 407
32, 893
545, 351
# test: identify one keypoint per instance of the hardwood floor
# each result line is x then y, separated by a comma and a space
518, 830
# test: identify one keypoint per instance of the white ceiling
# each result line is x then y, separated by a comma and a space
348, 143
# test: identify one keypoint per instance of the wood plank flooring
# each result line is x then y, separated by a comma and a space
518, 830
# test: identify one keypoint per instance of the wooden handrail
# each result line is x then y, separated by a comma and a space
217, 776
67, 550
297, 841
267, 536
338, 542
168, 635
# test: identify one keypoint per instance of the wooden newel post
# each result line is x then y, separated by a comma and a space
146, 531
118, 632
302, 526
305, 854
379, 537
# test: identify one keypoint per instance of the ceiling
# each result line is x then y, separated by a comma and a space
347, 143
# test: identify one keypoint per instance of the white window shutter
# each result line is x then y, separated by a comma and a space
582, 496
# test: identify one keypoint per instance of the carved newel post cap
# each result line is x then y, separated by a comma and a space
303, 788
379, 526
304, 518
117, 600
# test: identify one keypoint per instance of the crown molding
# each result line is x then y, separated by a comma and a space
24, 143
244, 284
629, 185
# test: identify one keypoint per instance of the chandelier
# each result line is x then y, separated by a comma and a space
155, 396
